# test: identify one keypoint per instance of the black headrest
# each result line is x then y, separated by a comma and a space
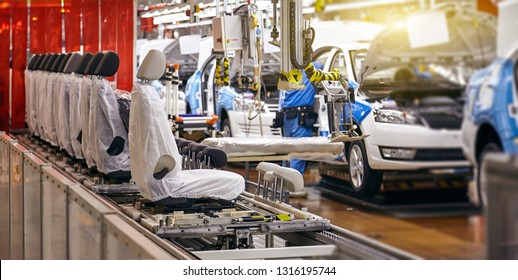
73, 63
183, 143
36, 64
186, 149
94, 62
50, 62
38, 61
85, 60
43, 62
63, 63
33, 61
197, 147
108, 65
55, 65
218, 158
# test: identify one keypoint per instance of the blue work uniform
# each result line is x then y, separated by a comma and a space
291, 127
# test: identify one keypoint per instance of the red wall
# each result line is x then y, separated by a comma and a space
19, 57
5, 30
107, 25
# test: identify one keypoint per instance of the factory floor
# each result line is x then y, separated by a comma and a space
454, 235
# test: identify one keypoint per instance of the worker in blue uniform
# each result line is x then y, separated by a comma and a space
299, 116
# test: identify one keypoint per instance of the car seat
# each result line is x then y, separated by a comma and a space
154, 153
108, 136
86, 92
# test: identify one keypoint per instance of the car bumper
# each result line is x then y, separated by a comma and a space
435, 148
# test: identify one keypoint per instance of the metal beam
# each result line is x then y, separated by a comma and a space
269, 253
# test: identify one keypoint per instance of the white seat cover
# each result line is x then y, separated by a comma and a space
33, 105
75, 114
86, 90
107, 129
40, 113
152, 148
62, 116
50, 107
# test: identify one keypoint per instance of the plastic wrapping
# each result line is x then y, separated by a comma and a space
86, 90
33, 105
40, 112
268, 146
63, 113
109, 138
92, 119
75, 115
153, 149
50, 108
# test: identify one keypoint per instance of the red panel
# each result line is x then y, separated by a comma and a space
4, 66
109, 21
90, 11
72, 10
125, 44
146, 24
54, 30
38, 24
19, 42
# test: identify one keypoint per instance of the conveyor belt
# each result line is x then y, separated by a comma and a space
302, 235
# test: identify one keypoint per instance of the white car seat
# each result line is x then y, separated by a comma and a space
34, 90
75, 104
108, 135
28, 75
62, 114
155, 160
43, 108
51, 100
86, 92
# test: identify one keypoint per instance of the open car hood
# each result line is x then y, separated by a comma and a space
471, 39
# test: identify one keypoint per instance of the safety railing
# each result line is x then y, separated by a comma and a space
499, 181
46, 215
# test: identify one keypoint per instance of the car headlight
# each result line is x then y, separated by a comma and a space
398, 153
395, 116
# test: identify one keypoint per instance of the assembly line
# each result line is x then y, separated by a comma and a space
263, 131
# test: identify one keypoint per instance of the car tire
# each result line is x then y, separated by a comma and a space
364, 180
225, 127
490, 147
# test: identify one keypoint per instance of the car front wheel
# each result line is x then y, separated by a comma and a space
365, 181
226, 128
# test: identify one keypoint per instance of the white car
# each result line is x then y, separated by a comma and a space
409, 101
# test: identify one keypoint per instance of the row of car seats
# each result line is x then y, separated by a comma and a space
71, 105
